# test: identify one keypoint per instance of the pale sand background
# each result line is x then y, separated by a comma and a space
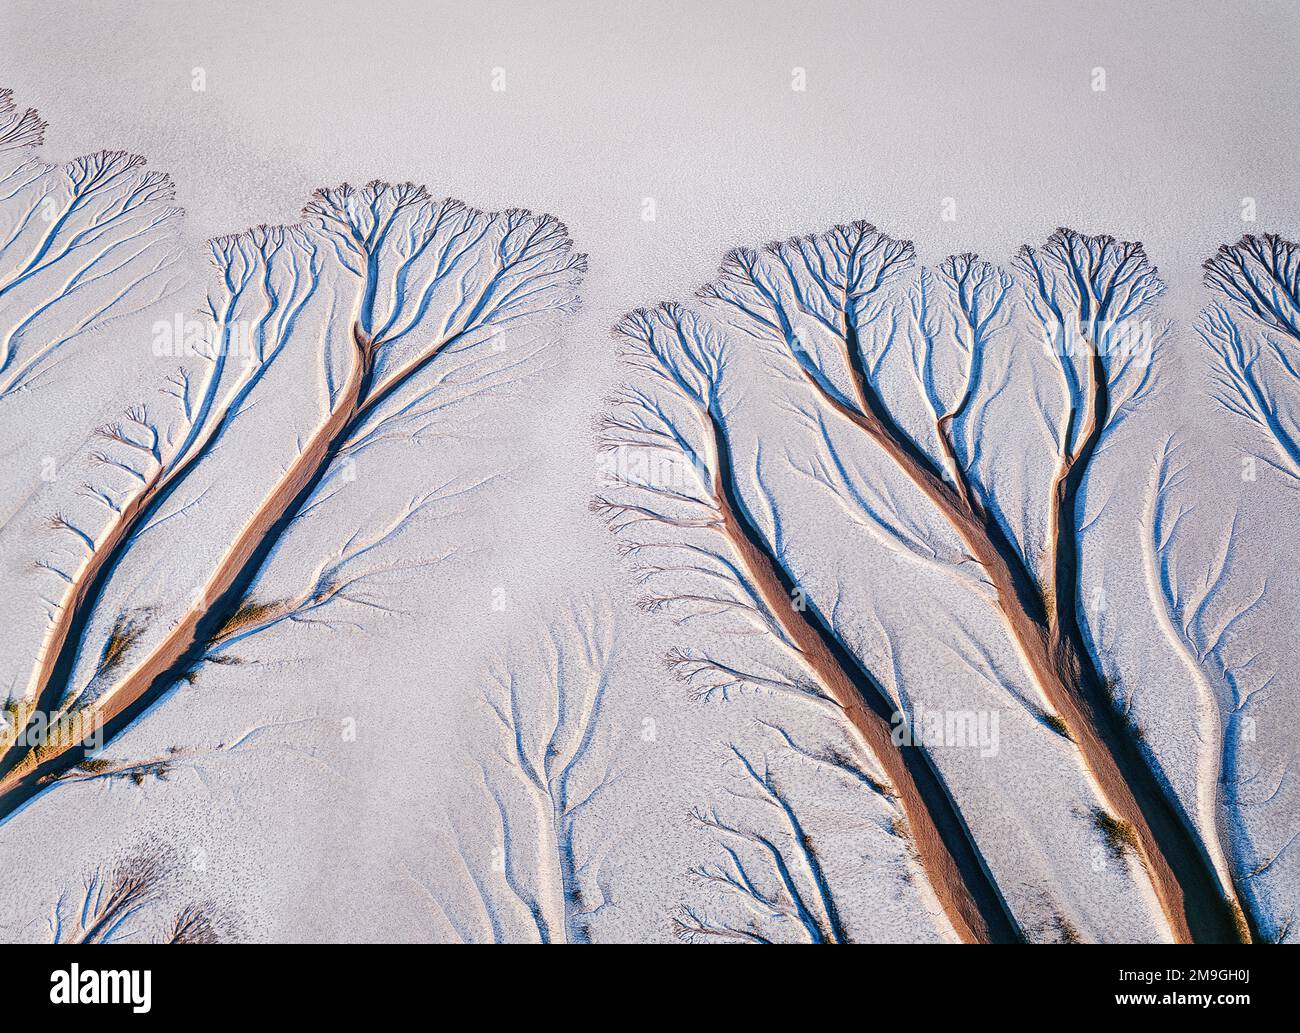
690, 103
